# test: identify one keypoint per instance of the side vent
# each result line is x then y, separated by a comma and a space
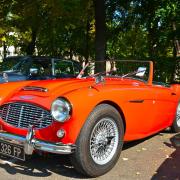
35, 88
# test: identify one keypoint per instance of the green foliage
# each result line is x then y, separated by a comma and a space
135, 29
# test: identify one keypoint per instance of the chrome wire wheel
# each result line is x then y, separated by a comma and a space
178, 115
100, 142
104, 141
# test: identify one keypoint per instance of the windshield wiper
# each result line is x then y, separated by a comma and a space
99, 76
134, 73
82, 71
130, 74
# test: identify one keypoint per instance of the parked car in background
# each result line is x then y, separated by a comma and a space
88, 117
20, 68
9, 62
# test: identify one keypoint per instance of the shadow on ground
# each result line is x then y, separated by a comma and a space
170, 169
44, 166
41, 166
132, 144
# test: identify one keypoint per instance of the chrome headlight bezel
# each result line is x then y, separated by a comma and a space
61, 110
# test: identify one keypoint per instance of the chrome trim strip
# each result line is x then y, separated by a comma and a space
35, 88
34, 144
137, 101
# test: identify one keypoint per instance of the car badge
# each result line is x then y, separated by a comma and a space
27, 97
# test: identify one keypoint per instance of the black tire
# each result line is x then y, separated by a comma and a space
176, 124
82, 159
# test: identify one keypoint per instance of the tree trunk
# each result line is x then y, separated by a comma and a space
87, 41
31, 46
4, 49
100, 39
176, 50
151, 43
71, 53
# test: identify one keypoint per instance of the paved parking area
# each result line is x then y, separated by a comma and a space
156, 158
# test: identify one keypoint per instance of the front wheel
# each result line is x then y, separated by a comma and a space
176, 123
100, 142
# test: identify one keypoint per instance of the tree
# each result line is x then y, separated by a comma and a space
95, 29
100, 33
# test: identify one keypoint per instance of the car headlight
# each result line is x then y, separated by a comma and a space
60, 110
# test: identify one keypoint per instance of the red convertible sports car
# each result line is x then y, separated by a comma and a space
88, 117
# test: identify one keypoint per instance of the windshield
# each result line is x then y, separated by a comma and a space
119, 69
8, 63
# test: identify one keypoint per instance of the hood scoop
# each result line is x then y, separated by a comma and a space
34, 88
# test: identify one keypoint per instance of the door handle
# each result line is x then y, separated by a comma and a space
173, 94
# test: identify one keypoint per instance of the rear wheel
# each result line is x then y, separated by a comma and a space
100, 142
176, 123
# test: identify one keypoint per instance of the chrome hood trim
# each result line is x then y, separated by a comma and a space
34, 88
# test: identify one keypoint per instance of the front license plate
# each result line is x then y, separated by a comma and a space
12, 150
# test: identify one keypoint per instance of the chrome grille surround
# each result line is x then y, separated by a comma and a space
21, 115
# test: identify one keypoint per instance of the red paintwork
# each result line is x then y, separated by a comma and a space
141, 119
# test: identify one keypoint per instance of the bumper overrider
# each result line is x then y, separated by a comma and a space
30, 144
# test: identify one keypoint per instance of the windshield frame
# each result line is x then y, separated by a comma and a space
104, 73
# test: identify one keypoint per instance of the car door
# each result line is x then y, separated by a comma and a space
140, 111
165, 102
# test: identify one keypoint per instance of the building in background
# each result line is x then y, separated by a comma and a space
11, 51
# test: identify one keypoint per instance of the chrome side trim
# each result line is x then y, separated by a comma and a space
137, 101
30, 144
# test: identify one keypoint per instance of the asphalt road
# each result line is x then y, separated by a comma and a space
155, 158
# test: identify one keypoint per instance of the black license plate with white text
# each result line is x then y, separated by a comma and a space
12, 150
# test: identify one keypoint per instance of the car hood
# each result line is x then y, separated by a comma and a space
61, 86
57, 87
66, 85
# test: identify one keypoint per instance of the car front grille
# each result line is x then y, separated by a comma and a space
23, 114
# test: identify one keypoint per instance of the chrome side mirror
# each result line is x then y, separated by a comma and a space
33, 71
141, 71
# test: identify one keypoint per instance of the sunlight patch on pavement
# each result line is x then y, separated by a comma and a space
9, 161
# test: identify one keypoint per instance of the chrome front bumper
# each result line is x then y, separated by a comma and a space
30, 143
